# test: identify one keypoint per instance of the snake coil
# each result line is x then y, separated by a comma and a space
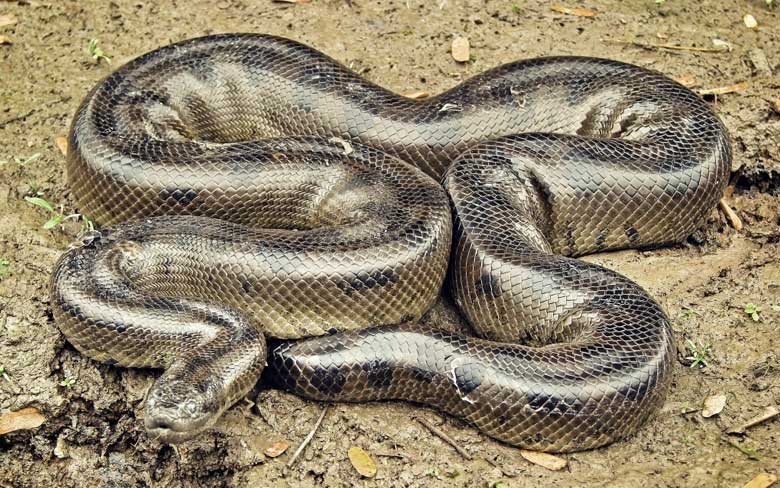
262, 189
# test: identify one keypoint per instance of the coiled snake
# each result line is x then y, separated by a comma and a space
266, 190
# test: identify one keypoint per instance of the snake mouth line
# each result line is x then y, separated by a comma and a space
169, 429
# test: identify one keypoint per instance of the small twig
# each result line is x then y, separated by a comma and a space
768, 414
308, 438
673, 47
688, 411
751, 454
32, 111
731, 215
723, 90
441, 435
18, 117
396, 454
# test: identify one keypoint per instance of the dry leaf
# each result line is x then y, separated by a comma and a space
579, 12
62, 144
722, 90
26, 418
750, 21
418, 95
713, 405
276, 449
763, 480
362, 462
6, 20
460, 49
5, 40
553, 463
686, 80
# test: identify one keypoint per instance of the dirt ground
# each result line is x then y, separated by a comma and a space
92, 435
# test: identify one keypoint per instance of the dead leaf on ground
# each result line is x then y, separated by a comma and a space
418, 95
460, 49
5, 40
579, 12
713, 405
549, 461
722, 90
750, 21
6, 20
362, 462
62, 144
26, 418
763, 480
276, 449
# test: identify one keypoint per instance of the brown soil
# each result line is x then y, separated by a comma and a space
92, 435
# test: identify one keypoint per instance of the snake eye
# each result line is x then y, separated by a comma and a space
89, 239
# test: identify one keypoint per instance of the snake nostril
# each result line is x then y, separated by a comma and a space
159, 424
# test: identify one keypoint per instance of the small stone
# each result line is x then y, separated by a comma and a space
61, 449
760, 64
750, 21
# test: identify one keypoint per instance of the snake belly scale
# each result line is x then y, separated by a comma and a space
252, 187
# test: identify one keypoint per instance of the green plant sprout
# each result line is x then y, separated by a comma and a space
5, 269
58, 216
699, 354
754, 311
67, 382
96, 53
688, 312
21, 161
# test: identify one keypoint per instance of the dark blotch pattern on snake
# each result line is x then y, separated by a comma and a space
265, 190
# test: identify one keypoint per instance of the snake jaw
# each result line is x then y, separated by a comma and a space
169, 427
177, 418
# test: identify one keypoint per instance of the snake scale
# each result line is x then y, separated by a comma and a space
250, 186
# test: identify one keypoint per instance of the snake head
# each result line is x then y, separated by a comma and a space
87, 239
177, 410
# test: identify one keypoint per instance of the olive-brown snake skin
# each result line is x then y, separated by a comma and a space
263, 189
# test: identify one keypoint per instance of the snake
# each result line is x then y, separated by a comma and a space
264, 210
